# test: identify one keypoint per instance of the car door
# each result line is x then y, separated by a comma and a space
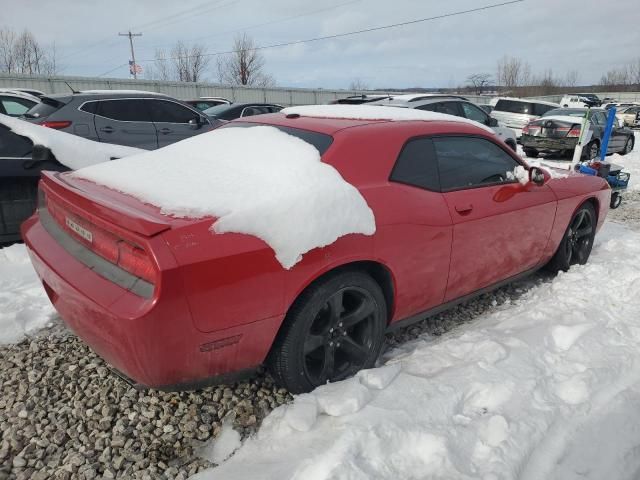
619, 136
175, 122
125, 121
500, 226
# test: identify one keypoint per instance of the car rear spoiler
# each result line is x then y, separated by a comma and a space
99, 201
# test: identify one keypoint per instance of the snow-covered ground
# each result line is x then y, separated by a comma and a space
24, 306
546, 388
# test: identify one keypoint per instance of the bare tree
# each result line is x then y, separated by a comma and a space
184, 63
479, 82
512, 72
358, 85
244, 66
571, 78
24, 54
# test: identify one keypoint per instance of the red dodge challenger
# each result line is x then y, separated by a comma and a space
172, 305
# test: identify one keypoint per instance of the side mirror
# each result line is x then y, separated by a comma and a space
537, 176
492, 122
40, 153
195, 123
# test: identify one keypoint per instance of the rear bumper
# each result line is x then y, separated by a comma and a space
153, 340
551, 144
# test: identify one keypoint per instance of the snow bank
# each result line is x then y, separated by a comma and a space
257, 180
70, 150
547, 388
376, 112
24, 306
631, 163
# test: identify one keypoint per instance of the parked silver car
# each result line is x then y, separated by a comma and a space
515, 113
138, 119
451, 105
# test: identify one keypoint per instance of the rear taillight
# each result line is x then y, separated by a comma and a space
128, 256
531, 129
574, 132
56, 124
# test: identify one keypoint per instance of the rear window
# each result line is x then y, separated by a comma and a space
319, 140
541, 109
513, 106
44, 109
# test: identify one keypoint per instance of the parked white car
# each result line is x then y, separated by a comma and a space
451, 105
515, 113
580, 100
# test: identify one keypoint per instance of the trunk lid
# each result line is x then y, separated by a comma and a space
553, 127
90, 200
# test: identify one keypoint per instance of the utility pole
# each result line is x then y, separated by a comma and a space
133, 56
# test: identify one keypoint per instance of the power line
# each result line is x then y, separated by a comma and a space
344, 34
272, 22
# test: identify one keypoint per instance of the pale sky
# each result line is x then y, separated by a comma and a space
590, 36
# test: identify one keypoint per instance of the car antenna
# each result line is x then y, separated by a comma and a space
71, 88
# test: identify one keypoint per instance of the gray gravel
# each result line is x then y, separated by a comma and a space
64, 415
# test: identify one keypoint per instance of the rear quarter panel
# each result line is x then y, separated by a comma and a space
572, 191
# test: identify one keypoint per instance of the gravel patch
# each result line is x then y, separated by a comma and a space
65, 415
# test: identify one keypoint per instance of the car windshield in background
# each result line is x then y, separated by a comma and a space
44, 109
567, 112
319, 140
218, 110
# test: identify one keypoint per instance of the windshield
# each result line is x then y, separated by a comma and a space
218, 110
319, 140
565, 112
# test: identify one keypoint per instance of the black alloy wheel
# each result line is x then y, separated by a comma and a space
333, 330
575, 247
628, 146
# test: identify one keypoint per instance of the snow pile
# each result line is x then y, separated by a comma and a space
258, 181
24, 306
221, 448
547, 388
376, 112
631, 163
70, 150
519, 173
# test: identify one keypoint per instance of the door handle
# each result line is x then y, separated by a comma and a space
107, 129
165, 131
464, 209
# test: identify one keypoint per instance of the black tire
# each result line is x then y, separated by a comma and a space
628, 146
513, 146
314, 346
591, 151
530, 152
577, 241
616, 200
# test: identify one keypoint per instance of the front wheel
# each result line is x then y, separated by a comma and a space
577, 241
628, 146
333, 330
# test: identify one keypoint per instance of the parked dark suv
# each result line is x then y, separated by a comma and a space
137, 119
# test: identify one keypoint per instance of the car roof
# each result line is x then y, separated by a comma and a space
527, 100
107, 94
330, 125
19, 94
414, 98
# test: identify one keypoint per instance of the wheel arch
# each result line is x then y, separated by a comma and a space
380, 273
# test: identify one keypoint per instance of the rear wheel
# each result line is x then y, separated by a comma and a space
616, 200
577, 241
628, 146
530, 152
591, 151
334, 329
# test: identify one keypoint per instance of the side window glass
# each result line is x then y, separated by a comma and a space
474, 113
163, 111
417, 165
90, 107
469, 162
450, 108
14, 107
124, 110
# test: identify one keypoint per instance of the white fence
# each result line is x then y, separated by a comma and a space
184, 90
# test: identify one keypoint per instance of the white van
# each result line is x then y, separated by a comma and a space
515, 113
580, 100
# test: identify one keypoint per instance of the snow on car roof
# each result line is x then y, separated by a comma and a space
70, 150
526, 100
376, 112
126, 92
257, 181
19, 94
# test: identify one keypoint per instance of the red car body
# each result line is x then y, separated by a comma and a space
217, 301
